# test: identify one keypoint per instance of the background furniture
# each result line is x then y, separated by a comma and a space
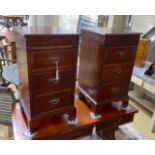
106, 62
58, 128
8, 55
7, 98
143, 90
47, 72
9, 21
141, 52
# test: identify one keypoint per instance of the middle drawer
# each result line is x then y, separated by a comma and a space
117, 72
45, 82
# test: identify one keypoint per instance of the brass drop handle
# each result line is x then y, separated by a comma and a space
122, 53
117, 70
54, 80
54, 59
54, 101
57, 76
115, 89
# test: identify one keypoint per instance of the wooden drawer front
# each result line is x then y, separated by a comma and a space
48, 40
114, 91
44, 82
118, 72
121, 40
121, 54
47, 58
54, 100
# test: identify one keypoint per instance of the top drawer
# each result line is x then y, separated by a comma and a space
120, 54
121, 39
47, 59
52, 40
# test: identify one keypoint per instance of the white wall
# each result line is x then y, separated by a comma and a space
69, 22
118, 21
64, 21
142, 23
44, 20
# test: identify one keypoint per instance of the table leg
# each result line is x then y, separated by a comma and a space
108, 134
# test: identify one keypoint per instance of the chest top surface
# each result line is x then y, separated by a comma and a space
111, 31
43, 31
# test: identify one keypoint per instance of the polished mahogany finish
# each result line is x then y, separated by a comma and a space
48, 83
119, 54
44, 59
106, 62
57, 127
47, 59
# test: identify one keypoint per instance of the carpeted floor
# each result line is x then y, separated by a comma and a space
127, 132
5, 106
6, 132
6, 101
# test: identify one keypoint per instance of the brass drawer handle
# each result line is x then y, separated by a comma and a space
53, 80
117, 70
54, 101
121, 53
115, 89
54, 59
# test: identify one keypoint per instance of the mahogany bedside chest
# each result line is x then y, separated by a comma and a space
106, 61
47, 60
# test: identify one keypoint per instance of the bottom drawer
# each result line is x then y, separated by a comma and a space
114, 91
52, 101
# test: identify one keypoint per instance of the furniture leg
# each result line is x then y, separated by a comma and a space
6, 52
3, 59
13, 50
125, 104
108, 134
72, 115
81, 96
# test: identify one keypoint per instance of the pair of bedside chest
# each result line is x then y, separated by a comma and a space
47, 60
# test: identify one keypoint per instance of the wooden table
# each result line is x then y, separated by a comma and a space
58, 128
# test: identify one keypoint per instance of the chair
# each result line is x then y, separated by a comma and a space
7, 57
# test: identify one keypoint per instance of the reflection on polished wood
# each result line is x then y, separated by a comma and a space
57, 127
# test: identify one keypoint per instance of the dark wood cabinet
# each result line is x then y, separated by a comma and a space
47, 60
106, 61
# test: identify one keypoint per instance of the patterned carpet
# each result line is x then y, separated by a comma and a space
6, 101
5, 106
128, 132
